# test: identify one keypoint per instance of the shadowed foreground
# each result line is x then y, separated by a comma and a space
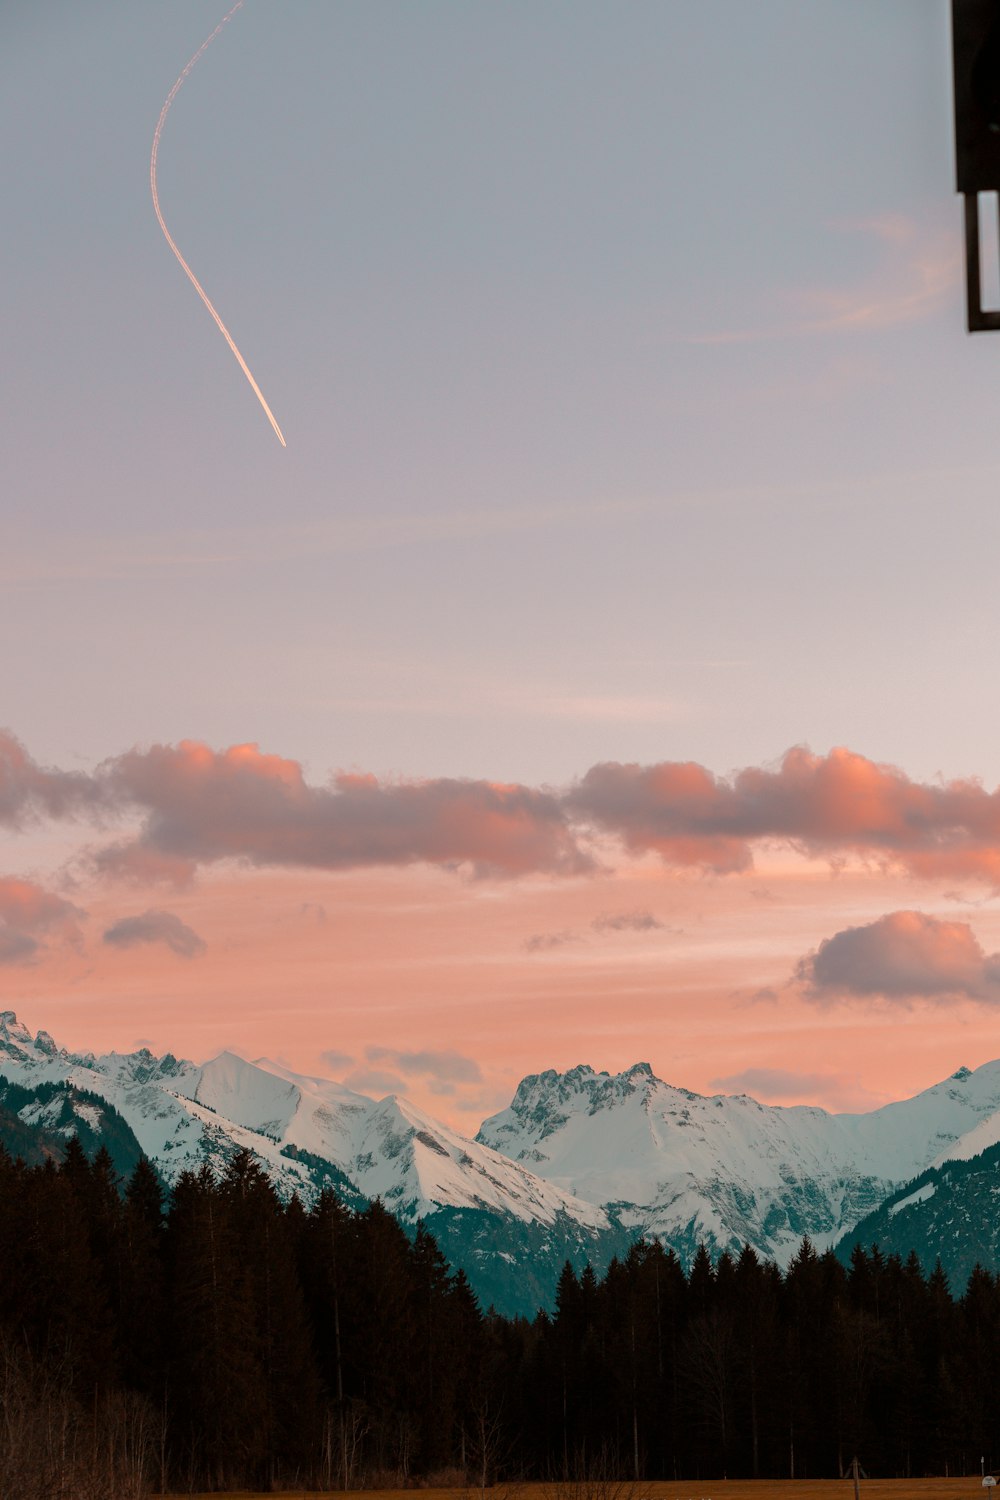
684, 1489
228, 1342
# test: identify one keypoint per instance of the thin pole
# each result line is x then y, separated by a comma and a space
974, 296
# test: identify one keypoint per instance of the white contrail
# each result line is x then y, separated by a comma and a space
169, 237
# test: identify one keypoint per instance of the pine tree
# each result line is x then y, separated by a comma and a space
217, 1388
142, 1307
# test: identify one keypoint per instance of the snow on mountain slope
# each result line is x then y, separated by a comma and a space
415, 1165
578, 1159
727, 1170
617, 1138
326, 1117
155, 1096
161, 1123
231, 1086
390, 1149
980, 1138
903, 1138
184, 1115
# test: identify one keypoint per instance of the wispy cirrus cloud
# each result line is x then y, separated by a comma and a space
627, 921
207, 550
917, 274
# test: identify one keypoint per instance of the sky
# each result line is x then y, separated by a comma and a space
603, 672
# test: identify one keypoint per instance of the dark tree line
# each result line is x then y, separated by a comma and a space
218, 1338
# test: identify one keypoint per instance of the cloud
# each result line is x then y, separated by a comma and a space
487, 1101
902, 957
917, 276
156, 927
338, 1061
31, 918
375, 1081
543, 942
28, 790
197, 806
138, 864
202, 806
445, 1066
17, 947
832, 805
627, 921
961, 899
609, 709
765, 995
836, 1091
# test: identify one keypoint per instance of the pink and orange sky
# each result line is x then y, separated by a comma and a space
637, 460
819, 930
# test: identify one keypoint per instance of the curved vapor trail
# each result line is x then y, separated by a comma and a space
169, 237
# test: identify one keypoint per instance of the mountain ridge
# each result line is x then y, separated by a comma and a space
578, 1166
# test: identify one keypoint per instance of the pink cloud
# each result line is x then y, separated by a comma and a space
544, 942
376, 1082
197, 806
446, 1065
831, 805
32, 917
904, 956
338, 1061
835, 1091
28, 790
917, 275
155, 927
202, 806
627, 921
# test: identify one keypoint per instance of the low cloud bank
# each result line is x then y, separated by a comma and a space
196, 806
444, 1066
835, 1091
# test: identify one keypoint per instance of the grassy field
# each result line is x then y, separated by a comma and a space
689, 1489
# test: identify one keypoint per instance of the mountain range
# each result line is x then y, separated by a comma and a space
578, 1166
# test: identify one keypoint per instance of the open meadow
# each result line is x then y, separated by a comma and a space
684, 1489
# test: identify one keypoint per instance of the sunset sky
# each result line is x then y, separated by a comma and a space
605, 670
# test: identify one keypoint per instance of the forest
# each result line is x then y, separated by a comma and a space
215, 1338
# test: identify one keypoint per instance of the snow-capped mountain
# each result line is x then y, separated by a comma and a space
726, 1170
577, 1166
183, 1115
950, 1213
154, 1096
310, 1133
